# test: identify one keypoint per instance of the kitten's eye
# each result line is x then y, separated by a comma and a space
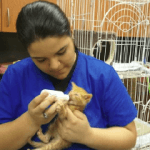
76, 94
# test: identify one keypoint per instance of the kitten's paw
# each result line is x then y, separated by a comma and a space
42, 137
39, 132
59, 107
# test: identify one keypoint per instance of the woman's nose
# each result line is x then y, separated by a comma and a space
54, 64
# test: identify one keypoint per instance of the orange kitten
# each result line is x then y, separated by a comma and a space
51, 140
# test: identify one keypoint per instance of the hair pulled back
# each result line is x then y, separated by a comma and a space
39, 20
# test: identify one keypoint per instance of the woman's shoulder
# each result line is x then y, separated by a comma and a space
91, 59
23, 63
97, 70
21, 66
94, 63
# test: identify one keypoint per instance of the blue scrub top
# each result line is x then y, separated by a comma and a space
110, 105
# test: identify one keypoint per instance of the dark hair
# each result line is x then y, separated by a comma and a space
39, 20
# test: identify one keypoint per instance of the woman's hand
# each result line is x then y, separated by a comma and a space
39, 105
75, 128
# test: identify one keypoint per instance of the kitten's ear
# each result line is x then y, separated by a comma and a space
88, 97
73, 84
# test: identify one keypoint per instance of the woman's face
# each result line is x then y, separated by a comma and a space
54, 56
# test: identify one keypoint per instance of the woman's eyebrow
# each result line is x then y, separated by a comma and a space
56, 52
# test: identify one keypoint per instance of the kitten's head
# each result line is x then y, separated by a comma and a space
78, 98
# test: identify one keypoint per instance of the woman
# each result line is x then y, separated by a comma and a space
107, 122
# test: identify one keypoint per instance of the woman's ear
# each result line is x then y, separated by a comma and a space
71, 30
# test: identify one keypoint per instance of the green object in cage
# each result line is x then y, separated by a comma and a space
148, 84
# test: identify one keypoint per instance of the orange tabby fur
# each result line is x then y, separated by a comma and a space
51, 140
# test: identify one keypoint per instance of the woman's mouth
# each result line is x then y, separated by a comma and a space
59, 72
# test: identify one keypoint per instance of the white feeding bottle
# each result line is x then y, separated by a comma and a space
58, 94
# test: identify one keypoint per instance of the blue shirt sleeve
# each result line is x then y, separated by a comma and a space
118, 105
5, 99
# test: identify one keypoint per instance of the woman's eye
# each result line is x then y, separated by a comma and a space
41, 60
61, 53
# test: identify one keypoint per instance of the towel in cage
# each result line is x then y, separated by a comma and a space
101, 45
143, 127
143, 135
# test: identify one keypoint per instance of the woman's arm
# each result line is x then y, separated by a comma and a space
14, 135
76, 129
114, 138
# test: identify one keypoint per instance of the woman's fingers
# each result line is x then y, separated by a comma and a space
37, 100
43, 106
70, 115
51, 111
39, 111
